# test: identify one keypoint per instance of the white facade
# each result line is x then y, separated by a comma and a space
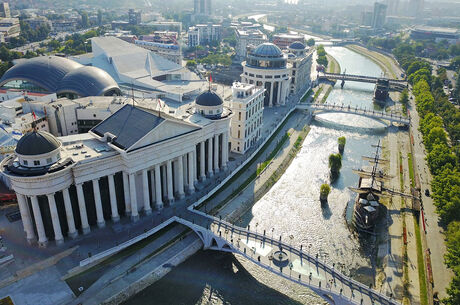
97, 178
300, 61
193, 37
171, 52
246, 125
204, 33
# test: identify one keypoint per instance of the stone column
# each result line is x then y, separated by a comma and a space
126, 194
195, 174
26, 218
158, 200
185, 166
180, 178
113, 200
82, 208
210, 171
216, 153
169, 181
132, 191
270, 104
202, 162
42, 240
69, 214
152, 184
98, 204
145, 187
191, 187
224, 150
55, 219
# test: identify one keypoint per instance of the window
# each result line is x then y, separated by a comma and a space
25, 162
210, 111
94, 115
239, 116
49, 160
37, 162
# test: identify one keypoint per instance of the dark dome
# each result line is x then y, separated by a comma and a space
208, 98
37, 143
267, 49
297, 45
88, 81
45, 71
61, 75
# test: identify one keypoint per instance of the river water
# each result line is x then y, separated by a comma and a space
292, 209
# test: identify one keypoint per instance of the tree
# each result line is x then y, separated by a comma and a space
437, 135
404, 99
191, 63
324, 192
310, 42
335, 164
341, 142
438, 157
452, 259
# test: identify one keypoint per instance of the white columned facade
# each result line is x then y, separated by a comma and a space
26, 218
180, 178
210, 171
185, 165
279, 93
270, 104
145, 187
224, 150
202, 161
169, 181
158, 199
98, 204
195, 169
126, 194
82, 208
69, 214
133, 195
191, 187
42, 240
58, 238
113, 199
216, 153
152, 185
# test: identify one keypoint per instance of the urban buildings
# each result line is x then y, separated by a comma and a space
204, 34
247, 38
380, 14
134, 17
66, 185
9, 27
248, 108
266, 66
140, 70
65, 77
436, 33
202, 7
193, 37
163, 43
37, 22
5, 10
64, 25
284, 40
300, 59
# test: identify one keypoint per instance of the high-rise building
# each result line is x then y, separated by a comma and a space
134, 17
416, 8
392, 7
380, 14
5, 10
202, 7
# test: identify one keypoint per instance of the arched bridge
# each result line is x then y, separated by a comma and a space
380, 115
282, 259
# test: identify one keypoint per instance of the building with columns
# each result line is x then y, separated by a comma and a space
300, 58
135, 161
267, 66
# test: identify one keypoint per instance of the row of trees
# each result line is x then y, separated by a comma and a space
322, 59
7, 56
28, 35
437, 116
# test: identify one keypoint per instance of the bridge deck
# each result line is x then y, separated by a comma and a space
360, 78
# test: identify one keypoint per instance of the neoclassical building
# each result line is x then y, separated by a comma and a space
300, 58
134, 161
267, 66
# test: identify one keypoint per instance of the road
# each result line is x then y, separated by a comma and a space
434, 231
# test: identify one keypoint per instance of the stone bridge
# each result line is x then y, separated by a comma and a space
283, 260
379, 115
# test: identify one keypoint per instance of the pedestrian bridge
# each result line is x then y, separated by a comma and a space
379, 115
359, 78
283, 260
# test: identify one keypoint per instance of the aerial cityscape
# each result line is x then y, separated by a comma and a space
229, 152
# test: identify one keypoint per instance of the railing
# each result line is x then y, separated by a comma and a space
361, 77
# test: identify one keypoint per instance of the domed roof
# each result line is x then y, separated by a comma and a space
88, 81
208, 98
37, 143
267, 49
297, 45
61, 75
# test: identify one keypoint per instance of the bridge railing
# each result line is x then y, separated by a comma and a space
341, 76
330, 270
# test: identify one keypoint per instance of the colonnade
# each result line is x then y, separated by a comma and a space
169, 180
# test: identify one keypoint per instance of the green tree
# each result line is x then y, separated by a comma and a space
191, 63
404, 99
324, 191
335, 164
438, 157
310, 42
341, 141
452, 259
437, 135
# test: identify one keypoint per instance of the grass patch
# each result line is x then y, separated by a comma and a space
326, 95
420, 264
306, 95
411, 169
6, 301
317, 93
272, 155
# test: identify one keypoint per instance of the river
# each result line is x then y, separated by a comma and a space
292, 209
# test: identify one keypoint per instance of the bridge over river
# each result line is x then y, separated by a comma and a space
380, 115
394, 84
285, 260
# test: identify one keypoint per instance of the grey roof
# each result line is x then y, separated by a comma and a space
297, 45
208, 98
128, 125
88, 81
267, 49
37, 143
62, 75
